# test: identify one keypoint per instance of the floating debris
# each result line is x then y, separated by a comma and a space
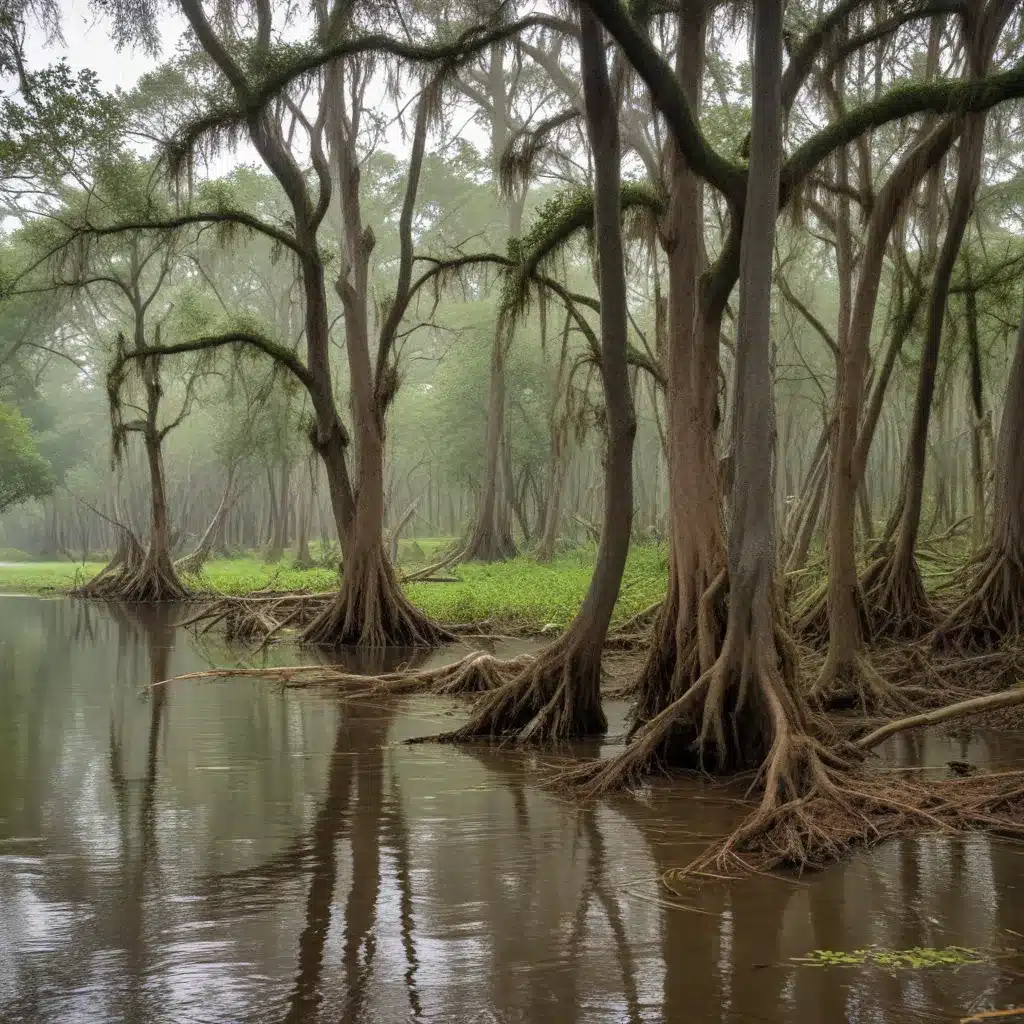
895, 959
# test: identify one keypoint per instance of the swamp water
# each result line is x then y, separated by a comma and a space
225, 851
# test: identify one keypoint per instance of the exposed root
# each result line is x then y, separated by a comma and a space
261, 616
818, 804
899, 607
993, 610
489, 542
843, 810
476, 673
741, 714
555, 697
809, 612
621, 673
681, 652
370, 610
635, 632
855, 683
153, 580
128, 558
936, 679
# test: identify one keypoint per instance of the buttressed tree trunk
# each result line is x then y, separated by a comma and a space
745, 712
894, 590
370, 608
558, 695
993, 611
691, 624
846, 674
154, 578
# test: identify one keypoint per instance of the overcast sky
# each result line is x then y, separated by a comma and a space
87, 45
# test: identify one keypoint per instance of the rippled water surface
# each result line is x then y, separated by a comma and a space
224, 851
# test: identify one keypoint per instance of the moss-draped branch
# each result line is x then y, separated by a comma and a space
280, 67
279, 353
949, 97
668, 96
729, 178
227, 218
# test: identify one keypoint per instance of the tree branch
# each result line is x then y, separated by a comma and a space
819, 327
668, 96
277, 352
949, 97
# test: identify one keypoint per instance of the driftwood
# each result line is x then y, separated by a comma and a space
976, 705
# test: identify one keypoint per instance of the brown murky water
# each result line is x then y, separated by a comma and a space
226, 851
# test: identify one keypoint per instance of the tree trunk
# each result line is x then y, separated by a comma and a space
491, 540
745, 712
303, 559
162, 583
977, 427
894, 590
279, 505
396, 533
552, 511
370, 608
993, 611
845, 672
897, 601
155, 579
810, 514
558, 696
690, 628
194, 562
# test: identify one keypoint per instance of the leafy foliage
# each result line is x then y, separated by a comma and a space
24, 473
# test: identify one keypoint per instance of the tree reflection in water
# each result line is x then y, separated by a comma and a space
230, 852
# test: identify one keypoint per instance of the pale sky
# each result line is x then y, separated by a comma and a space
87, 44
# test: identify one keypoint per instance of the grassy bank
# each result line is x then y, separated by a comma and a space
517, 594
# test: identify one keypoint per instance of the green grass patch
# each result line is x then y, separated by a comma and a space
518, 594
40, 577
523, 594
241, 576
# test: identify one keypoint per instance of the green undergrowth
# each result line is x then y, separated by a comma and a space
519, 594
41, 577
522, 594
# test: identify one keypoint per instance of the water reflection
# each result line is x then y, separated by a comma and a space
227, 851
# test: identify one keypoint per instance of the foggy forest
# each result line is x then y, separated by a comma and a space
633, 391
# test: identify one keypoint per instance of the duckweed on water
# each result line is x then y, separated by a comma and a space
895, 959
